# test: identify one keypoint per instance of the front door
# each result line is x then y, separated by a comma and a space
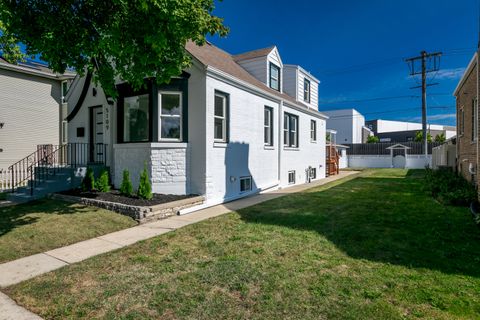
97, 150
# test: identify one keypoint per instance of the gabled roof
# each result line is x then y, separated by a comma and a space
398, 146
210, 55
254, 54
467, 72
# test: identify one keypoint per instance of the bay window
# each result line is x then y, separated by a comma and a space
136, 118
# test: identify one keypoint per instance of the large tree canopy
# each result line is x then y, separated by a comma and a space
127, 39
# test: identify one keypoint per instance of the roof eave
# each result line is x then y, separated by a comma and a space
469, 69
38, 73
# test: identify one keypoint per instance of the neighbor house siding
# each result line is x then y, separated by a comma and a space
30, 110
466, 146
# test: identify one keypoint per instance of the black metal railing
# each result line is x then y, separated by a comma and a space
48, 160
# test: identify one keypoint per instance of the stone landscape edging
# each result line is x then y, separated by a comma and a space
142, 214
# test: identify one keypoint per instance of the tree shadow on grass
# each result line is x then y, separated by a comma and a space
15, 216
382, 219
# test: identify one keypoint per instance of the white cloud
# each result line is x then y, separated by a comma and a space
445, 116
455, 73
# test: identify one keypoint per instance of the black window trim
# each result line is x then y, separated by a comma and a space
227, 116
246, 178
305, 82
271, 144
273, 65
151, 88
313, 129
291, 116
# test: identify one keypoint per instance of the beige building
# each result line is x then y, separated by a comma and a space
32, 111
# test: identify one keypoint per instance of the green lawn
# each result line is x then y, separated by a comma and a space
374, 247
47, 224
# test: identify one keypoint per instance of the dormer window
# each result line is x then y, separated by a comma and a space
274, 77
306, 90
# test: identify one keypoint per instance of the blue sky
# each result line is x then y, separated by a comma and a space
356, 48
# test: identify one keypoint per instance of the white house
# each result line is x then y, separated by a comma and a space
349, 124
224, 129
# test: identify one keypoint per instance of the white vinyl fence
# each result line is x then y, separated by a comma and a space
384, 161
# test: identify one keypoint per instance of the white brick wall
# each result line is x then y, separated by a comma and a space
167, 165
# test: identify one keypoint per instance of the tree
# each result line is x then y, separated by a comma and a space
103, 182
126, 188
127, 39
373, 139
144, 187
441, 138
419, 137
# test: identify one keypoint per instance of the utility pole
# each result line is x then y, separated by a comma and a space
429, 62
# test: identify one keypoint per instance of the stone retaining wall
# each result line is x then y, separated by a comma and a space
140, 214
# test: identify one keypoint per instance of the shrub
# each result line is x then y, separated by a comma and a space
449, 187
103, 183
126, 188
144, 188
88, 182
373, 139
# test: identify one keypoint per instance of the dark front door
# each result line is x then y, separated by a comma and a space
97, 149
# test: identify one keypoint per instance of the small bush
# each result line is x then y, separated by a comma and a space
88, 182
103, 183
144, 188
450, 188
126, 188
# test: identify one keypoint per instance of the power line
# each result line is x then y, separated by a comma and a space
390, 61
381, 99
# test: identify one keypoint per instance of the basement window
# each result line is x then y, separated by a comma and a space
291, 177
245, 184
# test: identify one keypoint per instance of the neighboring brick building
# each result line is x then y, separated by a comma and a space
467, 115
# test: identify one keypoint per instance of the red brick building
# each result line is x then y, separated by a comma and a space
467, 123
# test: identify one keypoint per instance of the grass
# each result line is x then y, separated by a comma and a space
3, 196
31, 228
374, 247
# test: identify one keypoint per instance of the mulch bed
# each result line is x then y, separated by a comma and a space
115, 196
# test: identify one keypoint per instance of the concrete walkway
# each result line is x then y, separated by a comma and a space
16, 271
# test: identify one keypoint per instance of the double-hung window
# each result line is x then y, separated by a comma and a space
306, 90
290, 130
291, 177
221, 117
313, 130
170, 126
274, 77
268, 126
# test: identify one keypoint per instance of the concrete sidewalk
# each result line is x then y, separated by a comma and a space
16, 271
